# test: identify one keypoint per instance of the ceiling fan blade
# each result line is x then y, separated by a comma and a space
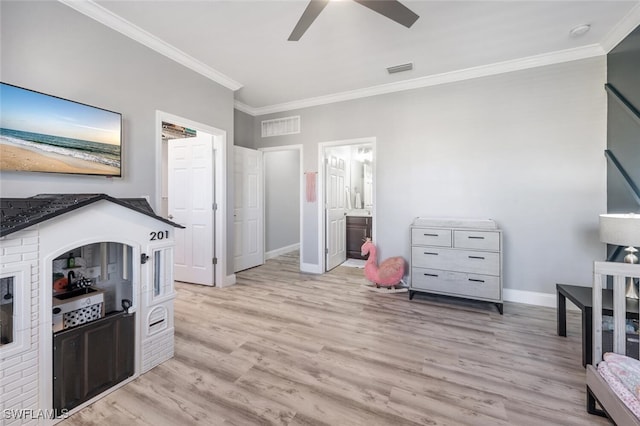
392, 9
308, 16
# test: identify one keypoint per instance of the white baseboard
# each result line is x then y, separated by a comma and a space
228, 281
282, 250
533, 298
529, 297
310, 268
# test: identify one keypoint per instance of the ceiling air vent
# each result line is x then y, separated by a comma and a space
281, 126
400, 68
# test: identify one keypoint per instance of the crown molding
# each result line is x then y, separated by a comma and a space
568, 55
115, 22
244, 107
622, 29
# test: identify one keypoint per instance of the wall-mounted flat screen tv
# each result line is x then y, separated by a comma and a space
44, 133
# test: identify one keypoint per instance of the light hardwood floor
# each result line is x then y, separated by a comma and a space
282, 347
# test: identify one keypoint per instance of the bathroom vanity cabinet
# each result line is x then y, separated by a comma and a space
358, 230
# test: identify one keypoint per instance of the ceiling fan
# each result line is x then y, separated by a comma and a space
392, 9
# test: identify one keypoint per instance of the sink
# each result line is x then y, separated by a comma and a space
359, 212
77, 307
74, 293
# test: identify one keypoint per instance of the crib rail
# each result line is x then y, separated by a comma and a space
620, 272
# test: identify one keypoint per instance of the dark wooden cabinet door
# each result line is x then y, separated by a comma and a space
100, 357
125, 344
68, 369
358, 230
91, 358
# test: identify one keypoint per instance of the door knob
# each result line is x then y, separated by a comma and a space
170, 216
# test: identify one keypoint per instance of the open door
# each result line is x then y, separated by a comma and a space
336, 212
191, 204
249, 209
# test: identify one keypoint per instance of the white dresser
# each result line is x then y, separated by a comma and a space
457, 257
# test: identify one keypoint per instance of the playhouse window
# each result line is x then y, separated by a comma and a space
162, 272
157, 273
15, 310
6, 310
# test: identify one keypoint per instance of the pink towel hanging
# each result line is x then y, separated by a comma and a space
311, 186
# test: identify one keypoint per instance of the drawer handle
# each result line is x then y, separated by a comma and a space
476, 257
430, 275
430, 235
471, 237
475, 280
432, 254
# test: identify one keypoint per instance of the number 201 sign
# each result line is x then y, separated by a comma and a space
159, 235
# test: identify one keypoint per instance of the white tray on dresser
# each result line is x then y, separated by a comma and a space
457, 257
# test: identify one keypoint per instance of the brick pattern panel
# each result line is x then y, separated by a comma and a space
157, 349
19, 374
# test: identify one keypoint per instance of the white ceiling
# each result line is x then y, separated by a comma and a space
347, 49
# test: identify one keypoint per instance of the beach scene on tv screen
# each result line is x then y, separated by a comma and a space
41, 133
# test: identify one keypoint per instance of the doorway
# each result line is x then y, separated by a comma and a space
283, 209
190, 195
346, 182
209, 266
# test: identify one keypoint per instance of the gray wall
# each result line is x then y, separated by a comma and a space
623, 132
524, 148
49, 47
243, 129
282, 198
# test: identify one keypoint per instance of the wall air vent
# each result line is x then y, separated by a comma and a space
281, 126
400, 68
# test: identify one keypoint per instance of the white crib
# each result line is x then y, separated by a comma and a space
598, 390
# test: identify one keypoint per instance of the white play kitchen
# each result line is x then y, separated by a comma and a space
86, 300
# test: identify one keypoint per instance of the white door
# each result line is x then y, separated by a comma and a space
336, 226
249, 209
191, 204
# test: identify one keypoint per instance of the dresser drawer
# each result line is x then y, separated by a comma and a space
456, 283
477, 240
476, 262
431, 237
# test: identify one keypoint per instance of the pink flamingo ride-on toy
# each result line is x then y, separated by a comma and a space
388, 274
